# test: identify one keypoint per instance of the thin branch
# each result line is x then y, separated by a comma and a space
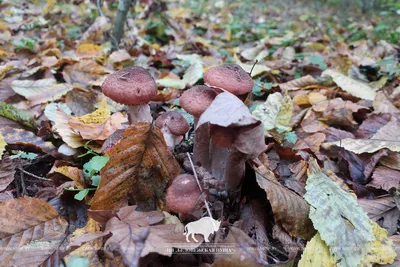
33, 175
99, 8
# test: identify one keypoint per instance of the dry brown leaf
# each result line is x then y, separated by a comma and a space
289, 244
84, 72
62, 127
73, 173
7, 171
31, 229
298, 83
26, 139
227, 111
117, 58
382, 210
382, 104
290, 210
311, 124
392, 160
140, 161
95, 31
98, 131
312, 142
385, 179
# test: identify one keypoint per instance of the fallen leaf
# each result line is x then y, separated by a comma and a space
51, 109
72, 173
294, 215
299, 83
32, 229
21, 116
227, 111
336, 215
7, 171
2, 146
383, 210
316, 253
89, 51
353, 87
312, 142
95, 31
140, 161
84, 71
382, 104
26, 139
392, 160
117, 58
385, 178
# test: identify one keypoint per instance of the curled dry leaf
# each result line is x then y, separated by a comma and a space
385, 179
84, 72
298, 83
382, 104
392, 160
7, 171
351, 86
62, 127
32, 228
385, 137
312, 142
227, 111
140, 160
383, 210
26, 139
73, 173
290, 209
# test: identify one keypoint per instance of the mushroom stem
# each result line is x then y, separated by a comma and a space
201, 149
218, 156
171, 139
234, 170
139, 113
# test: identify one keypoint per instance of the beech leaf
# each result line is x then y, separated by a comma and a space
32, 229
7, 171
351, 86
140, 161
227, 111
342, 223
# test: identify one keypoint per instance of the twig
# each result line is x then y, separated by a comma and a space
33, 175
99, 8
201, 190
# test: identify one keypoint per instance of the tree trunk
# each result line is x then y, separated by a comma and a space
118, 32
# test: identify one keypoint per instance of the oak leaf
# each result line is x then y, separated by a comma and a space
141, 162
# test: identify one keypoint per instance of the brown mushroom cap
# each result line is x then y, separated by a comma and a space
175, 122
130, 86
197, 99
183, 194
230, 77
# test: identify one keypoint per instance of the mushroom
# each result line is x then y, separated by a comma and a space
134, 87
229, 77
173, 126
195, 101
183, 194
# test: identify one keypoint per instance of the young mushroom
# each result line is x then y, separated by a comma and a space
195, 101
183, 194
173, 126
229, 77
134, 87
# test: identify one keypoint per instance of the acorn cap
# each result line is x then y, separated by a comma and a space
230, 77
175, 122
130, 86
197, 99
183, 194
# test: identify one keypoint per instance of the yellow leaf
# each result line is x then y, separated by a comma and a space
72, 173
2, 145
99, 116
381, 250
316, 253
5, 53
4, 70
89, 50
49, 5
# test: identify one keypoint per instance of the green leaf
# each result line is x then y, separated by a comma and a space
96, 180
20, 116
23, 155
77, 261
290, 137
94, 165
317, 60
260, 86
335, 213
82, 194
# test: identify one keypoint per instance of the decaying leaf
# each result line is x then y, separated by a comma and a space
298, 83
32, 229
2, 146
10, 112
141, 162
356, 88
316, 253
342, 223
385, 178
275, 113
24, 138
227, 111
294, 215
383, 210
392, 160
385, 137
7, 171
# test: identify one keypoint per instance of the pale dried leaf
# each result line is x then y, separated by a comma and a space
62, 127
385, 179
351, 86
7, 171
299, 83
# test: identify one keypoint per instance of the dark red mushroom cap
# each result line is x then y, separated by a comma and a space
183, 194
175, 122
230, 77
197, 99
130, 86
